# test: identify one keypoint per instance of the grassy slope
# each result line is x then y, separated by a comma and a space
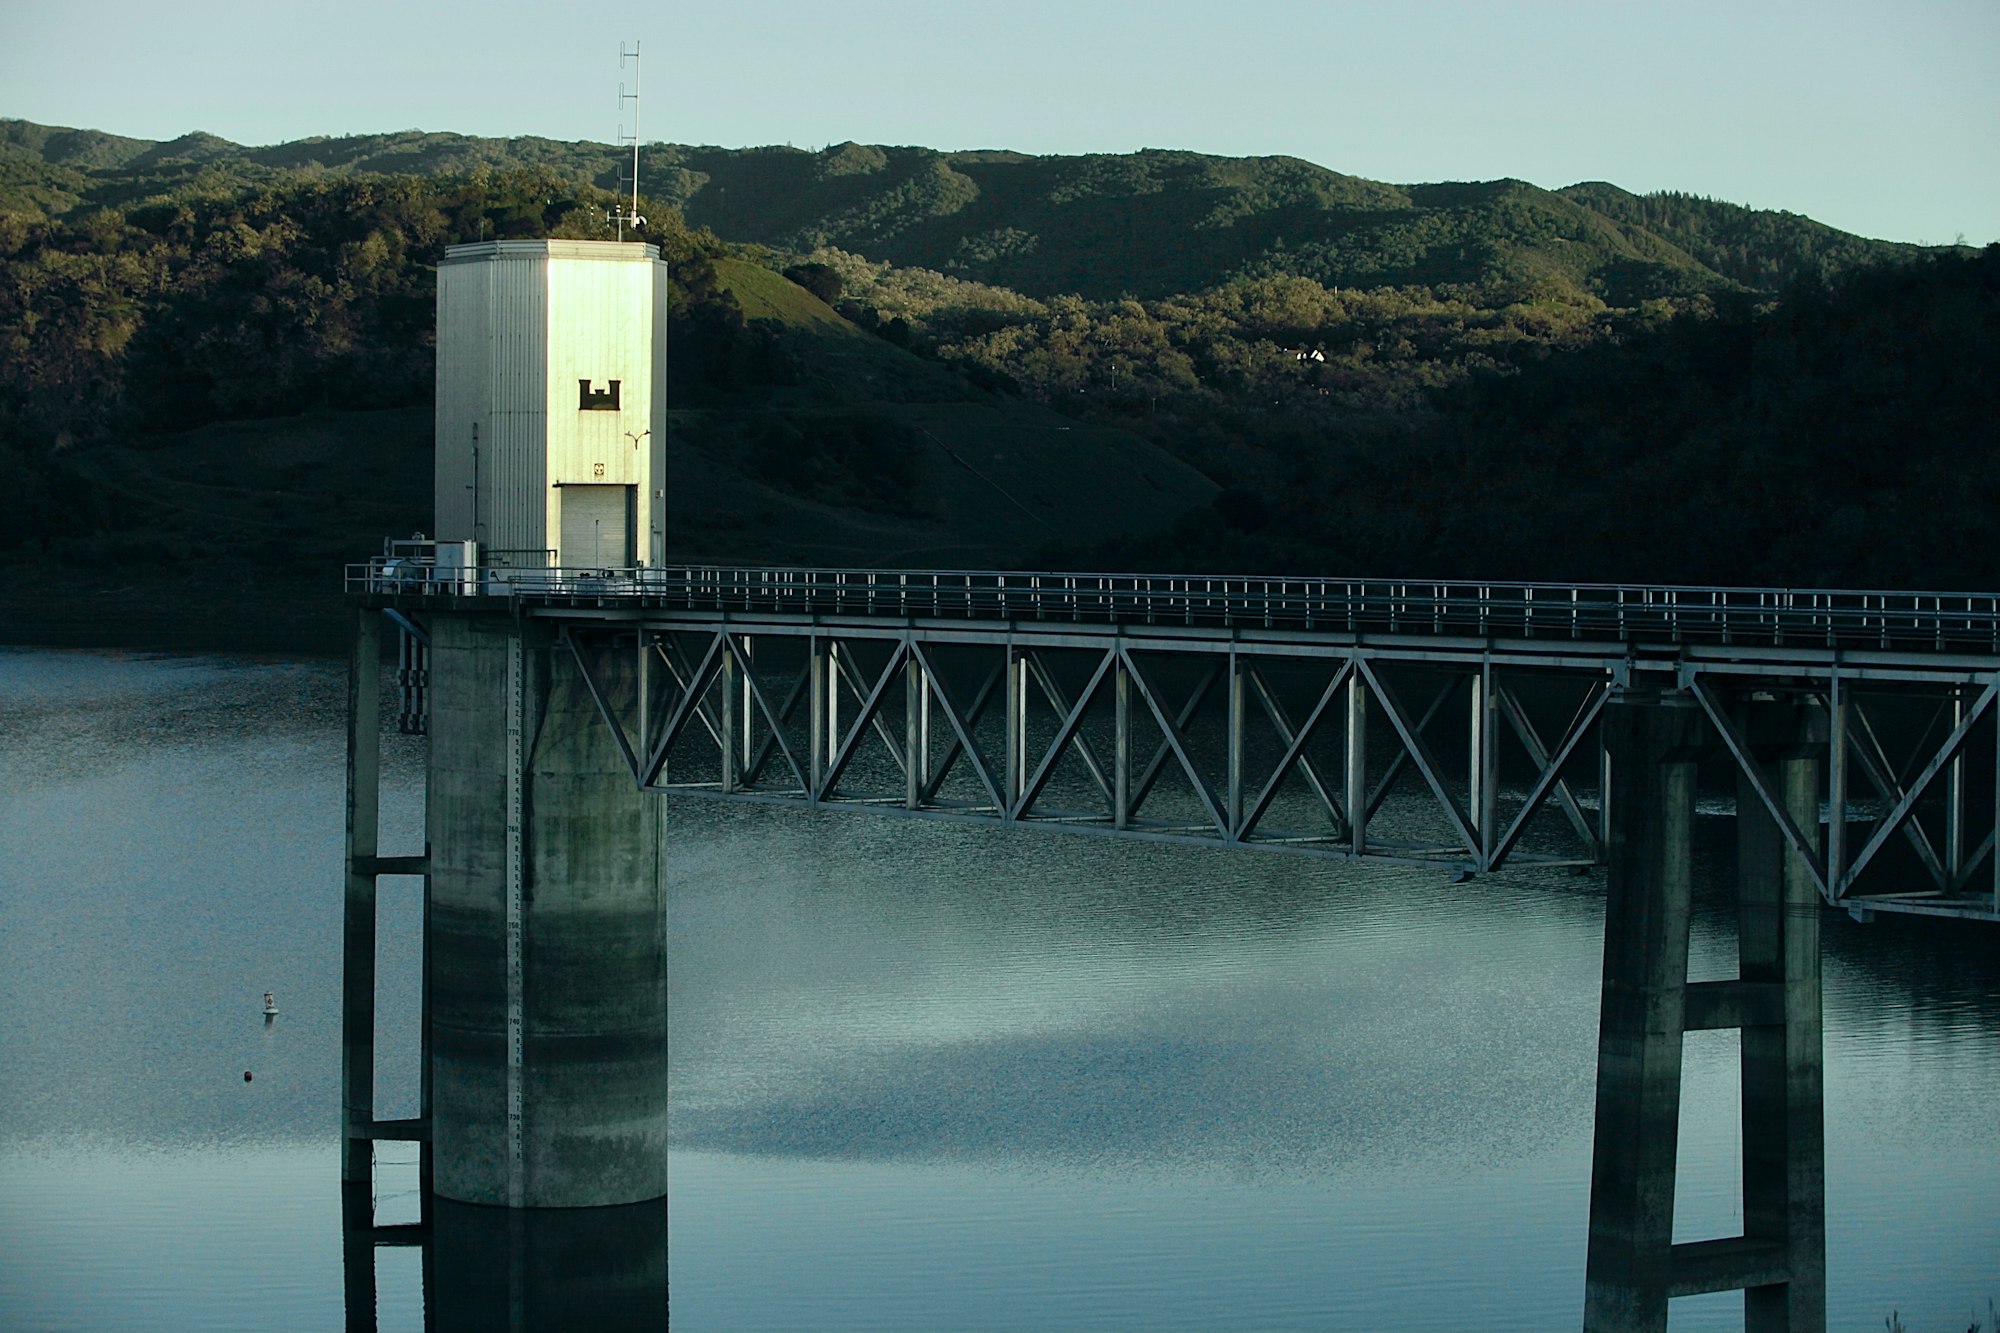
996, 478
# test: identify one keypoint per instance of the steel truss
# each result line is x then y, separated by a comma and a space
1293, 741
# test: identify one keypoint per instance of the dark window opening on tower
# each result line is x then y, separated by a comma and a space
590, 399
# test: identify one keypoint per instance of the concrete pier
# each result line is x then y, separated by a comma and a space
1654, 746
364, 799
1778, 911
548, 918
1654, 742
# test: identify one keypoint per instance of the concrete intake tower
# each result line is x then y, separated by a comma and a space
545, 1069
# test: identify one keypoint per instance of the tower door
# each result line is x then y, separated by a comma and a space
596, 527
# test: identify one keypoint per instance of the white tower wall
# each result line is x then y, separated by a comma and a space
551, 425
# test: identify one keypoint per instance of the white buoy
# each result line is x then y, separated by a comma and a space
270, 1005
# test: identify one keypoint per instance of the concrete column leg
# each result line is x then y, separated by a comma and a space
596, 986
364, 796
1778, 905
1653, 743
549, 1082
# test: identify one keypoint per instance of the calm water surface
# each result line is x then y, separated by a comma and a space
923, 1075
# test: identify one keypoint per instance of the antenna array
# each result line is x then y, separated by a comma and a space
621, 214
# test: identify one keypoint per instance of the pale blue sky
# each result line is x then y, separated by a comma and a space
1881, 118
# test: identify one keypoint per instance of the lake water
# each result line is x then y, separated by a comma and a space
924, 1075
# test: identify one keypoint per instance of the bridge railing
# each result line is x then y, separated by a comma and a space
1621, 611
1806, 617
414, 576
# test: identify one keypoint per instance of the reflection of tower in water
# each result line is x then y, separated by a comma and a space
524, 1268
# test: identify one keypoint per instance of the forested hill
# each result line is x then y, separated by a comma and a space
216, 366
1152, 223
1148, 224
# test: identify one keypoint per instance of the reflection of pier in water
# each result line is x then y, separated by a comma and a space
520, 1269
1552, 725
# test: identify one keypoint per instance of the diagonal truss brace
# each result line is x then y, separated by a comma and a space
604, 709
1420, 754
861, 691
1184, 715
1867, 747
973, 712
1551, 765
962, 728
1550, 771
1065, 735
1905, 807
1281, 722
1401, 759
774, 720
1753, 773
871, 707
1295, 744
1176, 743
1059, 699
694, 688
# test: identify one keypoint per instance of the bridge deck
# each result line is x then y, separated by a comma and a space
1903, 622
972, 694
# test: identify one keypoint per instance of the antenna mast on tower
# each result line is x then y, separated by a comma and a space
631, 215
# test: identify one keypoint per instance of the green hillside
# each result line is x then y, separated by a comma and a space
216, 365
1757, 248
1155, 223
1148, 224
233, 533
838, 447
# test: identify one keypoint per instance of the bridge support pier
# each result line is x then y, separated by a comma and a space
1633, 1267
548, 952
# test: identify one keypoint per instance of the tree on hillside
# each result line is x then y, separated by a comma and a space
822, 280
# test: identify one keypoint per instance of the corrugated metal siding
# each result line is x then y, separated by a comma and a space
461, 390
492, 340
655, 483
519, 324
517, 494
601, 326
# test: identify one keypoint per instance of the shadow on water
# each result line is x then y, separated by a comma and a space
524, 1269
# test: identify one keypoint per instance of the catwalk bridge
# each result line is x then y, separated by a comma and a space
1468, 726
1276, 714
